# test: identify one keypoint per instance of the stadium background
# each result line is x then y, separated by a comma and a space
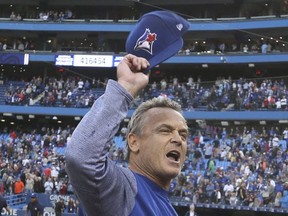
101, 28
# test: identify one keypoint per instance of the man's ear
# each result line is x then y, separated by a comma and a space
132, 140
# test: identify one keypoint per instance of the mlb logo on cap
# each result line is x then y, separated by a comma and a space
157, 36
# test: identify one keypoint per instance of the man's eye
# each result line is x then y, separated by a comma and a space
184, 136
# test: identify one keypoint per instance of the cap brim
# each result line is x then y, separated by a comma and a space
168, 52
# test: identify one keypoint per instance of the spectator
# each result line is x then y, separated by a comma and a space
233, 198
80, 84
38, 185
71, 206
3, 204
228, 188
242, 192
245, 48
283, 102
2, 187
29, 186
275, 141
284, 199
277, 200
19, 186
211, 166
68, 14
191, 211
209, 190
12, 16
59, 207
19, 17
62, 187
49, 186
4, 47
216, 196
285, 136
2, 79
208, 151
34, 207
264, 47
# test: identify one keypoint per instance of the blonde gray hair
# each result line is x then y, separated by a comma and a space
136, 122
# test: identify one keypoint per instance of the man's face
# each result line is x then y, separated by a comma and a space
162, 144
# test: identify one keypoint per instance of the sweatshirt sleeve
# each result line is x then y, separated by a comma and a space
102, 186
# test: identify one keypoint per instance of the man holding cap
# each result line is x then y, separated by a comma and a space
156, 135
35, 208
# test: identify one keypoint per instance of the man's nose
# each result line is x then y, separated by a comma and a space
176, 138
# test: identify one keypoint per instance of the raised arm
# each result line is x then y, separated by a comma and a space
98, 182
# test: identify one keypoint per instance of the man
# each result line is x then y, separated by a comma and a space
228, 187
19, 186
49, 186
71, 206
3, 204
285, 136
59, 207
157, 143
35, 208
191, 211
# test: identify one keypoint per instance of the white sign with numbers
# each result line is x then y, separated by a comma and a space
93, 61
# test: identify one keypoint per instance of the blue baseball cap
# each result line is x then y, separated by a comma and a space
34, 195
157, 36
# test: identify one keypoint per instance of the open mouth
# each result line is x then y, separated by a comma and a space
173, 155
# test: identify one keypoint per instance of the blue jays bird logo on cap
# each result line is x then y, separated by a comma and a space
146, 41
157, 36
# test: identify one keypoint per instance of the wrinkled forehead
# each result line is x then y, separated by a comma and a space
160, 115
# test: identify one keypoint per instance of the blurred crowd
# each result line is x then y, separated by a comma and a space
243, 165
238, 43
101, 43
33, 161
46, 15
72, 92
201, 46
220, 95
234, 166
